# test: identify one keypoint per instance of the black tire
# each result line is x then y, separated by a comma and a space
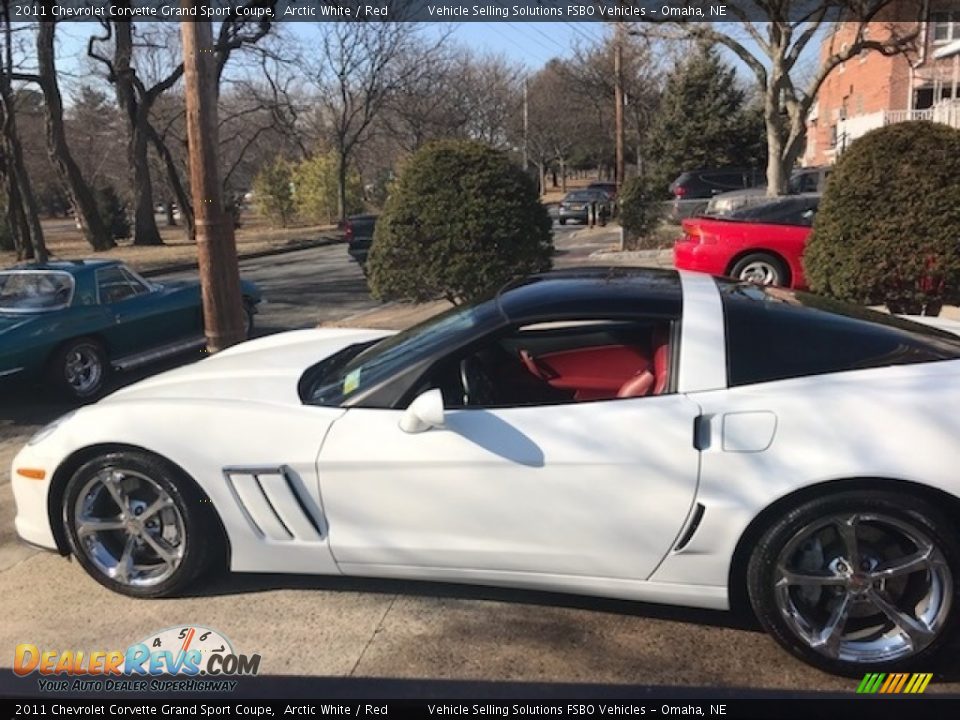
201, 539
856, 657
751, 267
562, 221
67, 380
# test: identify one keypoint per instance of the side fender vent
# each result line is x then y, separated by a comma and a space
691, 528
272, 499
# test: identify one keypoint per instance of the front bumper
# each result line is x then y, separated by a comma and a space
31, 497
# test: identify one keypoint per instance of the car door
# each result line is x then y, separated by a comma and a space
597, 489
138, 316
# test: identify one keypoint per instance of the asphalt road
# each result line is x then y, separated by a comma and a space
337, 627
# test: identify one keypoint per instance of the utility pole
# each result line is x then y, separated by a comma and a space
618, 99
526, 125
216, 246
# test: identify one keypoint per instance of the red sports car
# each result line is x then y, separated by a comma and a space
763, 244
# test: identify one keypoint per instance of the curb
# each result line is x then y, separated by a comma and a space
300, 245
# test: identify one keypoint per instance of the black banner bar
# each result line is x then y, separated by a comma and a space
445, 11
874, 708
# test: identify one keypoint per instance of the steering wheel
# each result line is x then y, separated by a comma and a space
478, 387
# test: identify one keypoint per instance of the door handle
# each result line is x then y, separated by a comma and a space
701, 432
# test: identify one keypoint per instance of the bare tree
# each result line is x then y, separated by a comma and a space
82, 199
590, 72
13, 152
361, 65
138, 88
773, 55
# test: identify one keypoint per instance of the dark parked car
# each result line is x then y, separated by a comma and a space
358, 232
694, 188
68, 323
576, 205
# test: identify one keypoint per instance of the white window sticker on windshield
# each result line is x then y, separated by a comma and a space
351, 382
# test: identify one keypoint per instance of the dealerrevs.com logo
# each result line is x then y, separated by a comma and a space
204, 657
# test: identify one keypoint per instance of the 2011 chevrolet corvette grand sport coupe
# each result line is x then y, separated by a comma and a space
649, 435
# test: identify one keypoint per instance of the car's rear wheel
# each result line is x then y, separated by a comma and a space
760, 268
858, 581
137, 526
79, 369
563, 221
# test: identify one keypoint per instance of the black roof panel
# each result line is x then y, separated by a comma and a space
600, 291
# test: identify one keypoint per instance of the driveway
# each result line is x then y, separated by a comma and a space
362, 628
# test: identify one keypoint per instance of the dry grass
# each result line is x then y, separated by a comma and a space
65, 242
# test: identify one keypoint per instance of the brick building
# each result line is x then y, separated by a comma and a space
871, 90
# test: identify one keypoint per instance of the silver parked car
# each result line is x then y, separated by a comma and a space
804, 180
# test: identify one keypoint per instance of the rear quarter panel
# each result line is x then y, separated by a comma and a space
896, 423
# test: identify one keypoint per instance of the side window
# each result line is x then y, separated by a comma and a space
809, 335
115, 284
558, 363
804, 183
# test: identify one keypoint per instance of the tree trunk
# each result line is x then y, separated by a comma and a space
138, 117
82, 199
145, 224
341, 186
778, 175
19, 174
17, 221
173, 178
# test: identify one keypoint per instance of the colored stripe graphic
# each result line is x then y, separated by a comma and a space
894, 683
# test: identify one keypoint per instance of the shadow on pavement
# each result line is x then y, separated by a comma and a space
238, 583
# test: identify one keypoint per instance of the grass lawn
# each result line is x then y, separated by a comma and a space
65, 242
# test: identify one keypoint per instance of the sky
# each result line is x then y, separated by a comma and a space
529, 43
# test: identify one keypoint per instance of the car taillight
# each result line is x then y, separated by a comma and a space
348, 231
679, 191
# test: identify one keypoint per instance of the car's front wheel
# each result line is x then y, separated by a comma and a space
858, 581
136, 525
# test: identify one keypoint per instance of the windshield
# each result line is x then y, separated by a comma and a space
35, 290
363, 366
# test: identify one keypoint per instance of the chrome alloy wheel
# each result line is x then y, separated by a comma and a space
83, 369
760, 272
863, 587
129, 527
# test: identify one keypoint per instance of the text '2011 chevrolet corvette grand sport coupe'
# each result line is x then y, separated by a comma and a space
650, 435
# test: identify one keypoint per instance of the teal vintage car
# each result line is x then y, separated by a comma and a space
67, 324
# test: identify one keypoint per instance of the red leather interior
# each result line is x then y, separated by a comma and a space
606, 371
637, 386
593, 372
661, 359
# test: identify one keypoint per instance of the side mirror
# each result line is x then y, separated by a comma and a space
425, 412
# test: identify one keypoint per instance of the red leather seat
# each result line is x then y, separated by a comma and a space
639, 385
661, 359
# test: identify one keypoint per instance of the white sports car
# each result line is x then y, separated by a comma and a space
649, 435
